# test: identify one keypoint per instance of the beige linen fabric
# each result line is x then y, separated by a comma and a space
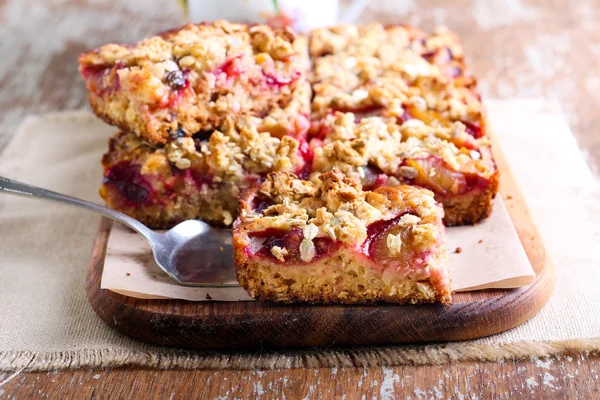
47, 323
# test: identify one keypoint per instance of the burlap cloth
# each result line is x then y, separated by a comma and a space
47, 323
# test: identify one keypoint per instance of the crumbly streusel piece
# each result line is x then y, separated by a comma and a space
193, 177
331, 242
192, 79
448, 161
397, 72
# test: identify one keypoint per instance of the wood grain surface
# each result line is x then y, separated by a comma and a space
249, 324
517, 48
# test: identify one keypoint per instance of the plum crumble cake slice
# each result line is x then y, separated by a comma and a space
459, 169
193, 177
397, 72
191, 79
332, 242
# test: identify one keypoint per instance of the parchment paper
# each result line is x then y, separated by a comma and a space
498, 261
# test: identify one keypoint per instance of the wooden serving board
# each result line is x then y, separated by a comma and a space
256, 324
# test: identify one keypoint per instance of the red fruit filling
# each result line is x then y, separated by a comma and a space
133, 188
375, 246
319, 130
435, 174
260, 203
406, 115
468, 143
440, 56
179, 182
453, 71
305, 150
374, 177
277, 81
301, 125
102, 79
263, 242
473, 129
232, 67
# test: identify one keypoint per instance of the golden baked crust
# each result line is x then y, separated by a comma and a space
471, 208
194, 78
330, 241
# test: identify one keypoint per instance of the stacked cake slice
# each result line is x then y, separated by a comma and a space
333, 242
217, 112
206, 111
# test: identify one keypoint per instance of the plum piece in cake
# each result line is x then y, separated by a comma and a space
458, 168
331, 242
193, 177
191, 79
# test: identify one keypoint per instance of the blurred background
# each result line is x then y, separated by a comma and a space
516, 48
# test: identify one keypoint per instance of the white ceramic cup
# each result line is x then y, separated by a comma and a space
304, 14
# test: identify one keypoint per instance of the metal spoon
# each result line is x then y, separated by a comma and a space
193, 253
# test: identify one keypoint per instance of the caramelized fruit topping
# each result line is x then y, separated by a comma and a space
290, 240
131, 185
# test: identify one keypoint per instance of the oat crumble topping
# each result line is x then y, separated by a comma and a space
394, 68
229, 155
336, 207
353, 146
194, 78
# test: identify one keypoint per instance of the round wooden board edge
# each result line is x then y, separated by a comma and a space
473, 315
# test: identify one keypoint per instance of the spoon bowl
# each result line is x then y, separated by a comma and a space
193, 253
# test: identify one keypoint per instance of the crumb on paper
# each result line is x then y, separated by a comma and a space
508, 197
533, 238
127, 274
458, 250
208, 296
480, 241
221, 248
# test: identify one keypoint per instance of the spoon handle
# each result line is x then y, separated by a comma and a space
22, 189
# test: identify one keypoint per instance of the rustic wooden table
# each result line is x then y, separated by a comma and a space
517, 48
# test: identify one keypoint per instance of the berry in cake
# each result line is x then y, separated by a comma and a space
192, 79
193, 177
329, 241
448, 161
